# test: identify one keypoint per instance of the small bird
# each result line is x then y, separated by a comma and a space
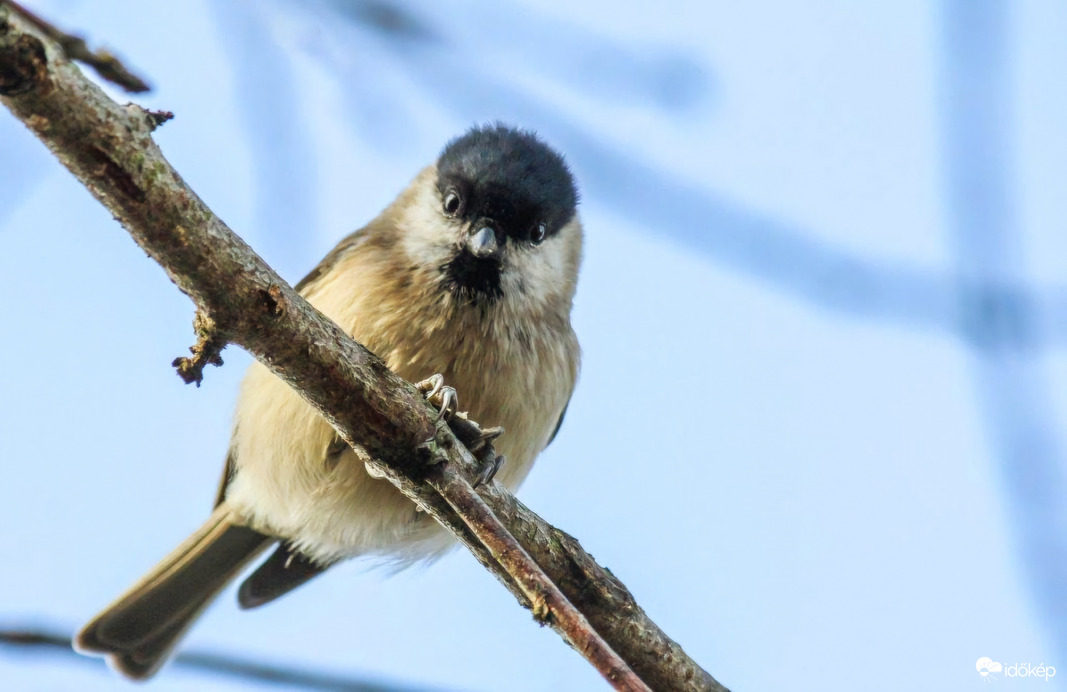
468, 277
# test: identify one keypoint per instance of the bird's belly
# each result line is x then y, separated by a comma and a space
287, 485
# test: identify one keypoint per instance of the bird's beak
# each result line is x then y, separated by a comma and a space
482, 243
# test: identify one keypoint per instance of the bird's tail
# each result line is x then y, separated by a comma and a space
139, 631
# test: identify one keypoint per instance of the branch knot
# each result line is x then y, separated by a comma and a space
23, 66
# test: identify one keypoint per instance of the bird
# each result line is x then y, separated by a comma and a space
466, 279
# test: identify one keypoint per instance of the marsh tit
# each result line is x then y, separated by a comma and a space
470, 275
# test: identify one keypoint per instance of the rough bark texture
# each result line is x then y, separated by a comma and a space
241, 300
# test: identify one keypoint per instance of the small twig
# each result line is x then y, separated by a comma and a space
208, 662
159, 117
209, 345
106, 65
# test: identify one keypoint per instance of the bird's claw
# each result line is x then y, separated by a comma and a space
431, 385
485, 437
490, 466
477, 439
441, 396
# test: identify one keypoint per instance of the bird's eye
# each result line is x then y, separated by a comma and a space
452, 203
537, 233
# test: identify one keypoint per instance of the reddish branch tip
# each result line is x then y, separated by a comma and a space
157, 118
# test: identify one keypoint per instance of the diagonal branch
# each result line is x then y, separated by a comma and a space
110, 150
547, 601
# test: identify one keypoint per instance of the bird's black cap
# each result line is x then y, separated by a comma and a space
508, 175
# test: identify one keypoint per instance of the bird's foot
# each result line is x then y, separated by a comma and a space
478, 440
480, 443
490, 465
441, 396
482, 438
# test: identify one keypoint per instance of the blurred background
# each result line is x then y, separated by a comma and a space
820, 426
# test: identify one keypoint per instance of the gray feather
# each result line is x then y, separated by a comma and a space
139, 630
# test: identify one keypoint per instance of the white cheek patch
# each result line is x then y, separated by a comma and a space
426, 234
547, 270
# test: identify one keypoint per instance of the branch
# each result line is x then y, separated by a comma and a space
110, 150
545, 597
208, 662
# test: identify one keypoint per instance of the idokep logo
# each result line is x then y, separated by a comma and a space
992, 670
986, 666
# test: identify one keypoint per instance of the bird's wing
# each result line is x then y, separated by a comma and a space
347, 243
559, 423
285, 569
279, 574
227, 474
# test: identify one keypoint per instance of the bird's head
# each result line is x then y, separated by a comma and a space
499, 219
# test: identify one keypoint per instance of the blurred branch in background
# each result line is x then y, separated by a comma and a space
398, 45
55, 644
576, 57
784, 256
284, 175
1009, 374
